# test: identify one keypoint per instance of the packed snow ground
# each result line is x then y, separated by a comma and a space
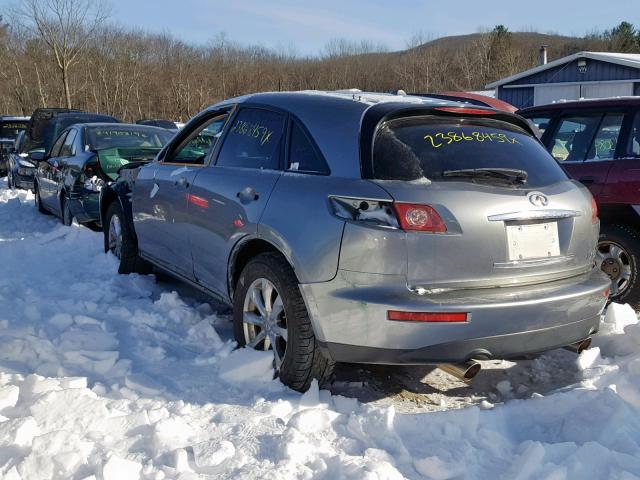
104, 376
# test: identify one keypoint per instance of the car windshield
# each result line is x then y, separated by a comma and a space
11, 129
116, 136
461, 149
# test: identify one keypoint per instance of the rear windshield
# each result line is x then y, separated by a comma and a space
168, 124
100, 138
426, 147
11, 129
56, 125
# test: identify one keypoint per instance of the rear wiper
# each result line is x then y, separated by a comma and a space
510, 174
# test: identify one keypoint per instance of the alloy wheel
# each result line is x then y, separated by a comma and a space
615, 261
264, 321
115, 236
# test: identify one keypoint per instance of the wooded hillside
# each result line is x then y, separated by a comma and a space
48, 59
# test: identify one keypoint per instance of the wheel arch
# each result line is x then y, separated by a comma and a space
110, 195
245, 250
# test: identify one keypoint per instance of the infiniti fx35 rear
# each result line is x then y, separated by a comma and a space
369, 228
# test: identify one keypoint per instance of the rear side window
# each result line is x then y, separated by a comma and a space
429, 147
254, 140
303, 157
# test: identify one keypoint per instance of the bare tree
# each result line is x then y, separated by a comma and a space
66, 27
131, 73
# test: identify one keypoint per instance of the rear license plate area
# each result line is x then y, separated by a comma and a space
534, 240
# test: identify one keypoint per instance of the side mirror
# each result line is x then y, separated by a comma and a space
37, 156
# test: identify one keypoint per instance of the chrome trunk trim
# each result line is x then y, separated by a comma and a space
534, 215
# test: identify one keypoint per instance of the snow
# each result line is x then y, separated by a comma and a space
247, 365
106, 377
118, 468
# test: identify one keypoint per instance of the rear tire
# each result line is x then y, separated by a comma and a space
41, 208
119, 240
297, 358
67, 216
618, 256
10, 184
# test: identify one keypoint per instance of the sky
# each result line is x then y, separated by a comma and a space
305, 28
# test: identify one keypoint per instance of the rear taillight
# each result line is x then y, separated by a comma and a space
368, 211
594, 210
410, 217
436, 317
421, 218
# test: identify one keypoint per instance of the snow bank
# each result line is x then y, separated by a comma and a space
247, 365
111, 377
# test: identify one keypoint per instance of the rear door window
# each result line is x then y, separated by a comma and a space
55, 150
573, 137
433, 148
254, 140
68, 149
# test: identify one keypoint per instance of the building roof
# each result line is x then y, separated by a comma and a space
625, 59
586, 103
13, 118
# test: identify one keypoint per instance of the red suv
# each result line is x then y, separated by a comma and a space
598, 143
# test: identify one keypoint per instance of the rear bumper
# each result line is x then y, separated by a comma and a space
349, 316
499, 346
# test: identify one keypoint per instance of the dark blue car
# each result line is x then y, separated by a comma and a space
83, 159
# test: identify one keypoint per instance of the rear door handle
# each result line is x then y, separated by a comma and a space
247, 195
588, 179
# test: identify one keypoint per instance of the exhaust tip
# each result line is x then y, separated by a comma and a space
462, 371
473, 370
580, 346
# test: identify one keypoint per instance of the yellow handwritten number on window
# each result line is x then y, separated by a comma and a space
440, 139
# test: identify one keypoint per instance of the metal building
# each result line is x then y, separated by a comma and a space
581, 75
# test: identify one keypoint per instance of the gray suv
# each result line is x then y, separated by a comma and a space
353, 227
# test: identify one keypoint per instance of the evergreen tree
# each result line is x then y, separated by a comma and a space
624, 38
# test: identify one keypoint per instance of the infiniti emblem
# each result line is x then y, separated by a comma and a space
538, 199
